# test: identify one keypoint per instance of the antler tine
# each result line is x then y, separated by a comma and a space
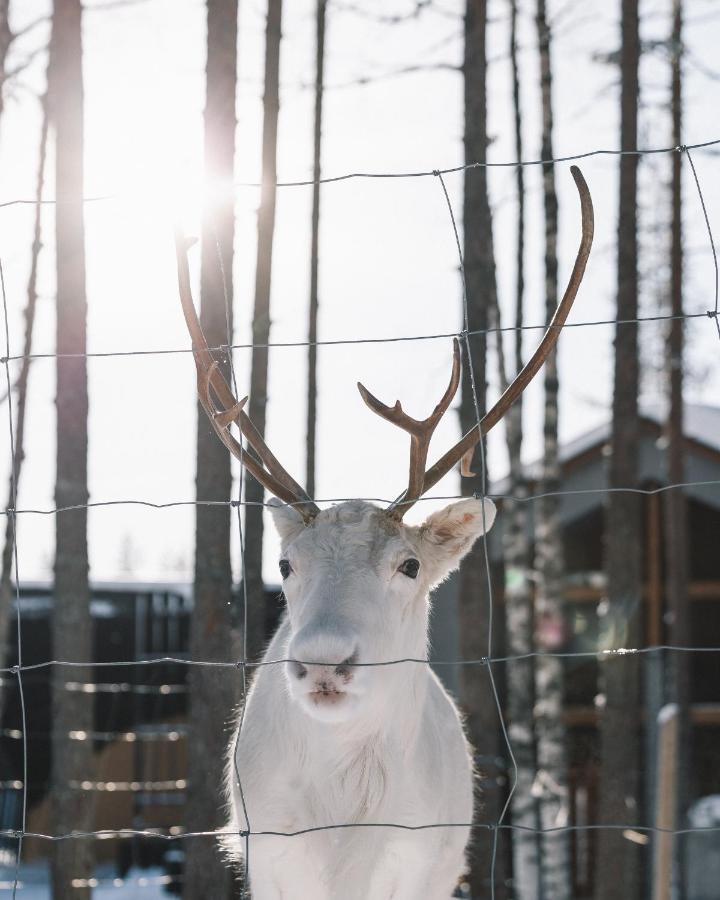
420, 430
268, 470
534, 364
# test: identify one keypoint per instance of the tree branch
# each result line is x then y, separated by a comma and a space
111, 4
364, 80
395, 18
26, 29
20, 67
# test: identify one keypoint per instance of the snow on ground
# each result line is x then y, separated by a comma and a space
143, 884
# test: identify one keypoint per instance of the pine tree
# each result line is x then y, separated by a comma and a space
254, 492
620, 677
72, 638
213, 692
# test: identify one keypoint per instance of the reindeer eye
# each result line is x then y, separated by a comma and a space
285, 568
410, 567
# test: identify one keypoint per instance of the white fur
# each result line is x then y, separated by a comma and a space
375, 744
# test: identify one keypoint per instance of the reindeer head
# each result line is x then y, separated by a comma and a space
356, 582
355, 577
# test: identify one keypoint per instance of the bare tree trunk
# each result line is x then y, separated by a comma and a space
320, 16
254, 492
619, 731
6, 38
213, 692
518, 564
477, 698
520, 672
675, 503
20, 387
72, 761
552, 784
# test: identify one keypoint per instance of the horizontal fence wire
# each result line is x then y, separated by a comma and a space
338, 342
109, 833
482, 661
115, 687
422, 173
244, 665
661, 489
123, 737
139, 883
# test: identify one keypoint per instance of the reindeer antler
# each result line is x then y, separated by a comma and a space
420, 481
266, 469
420, 431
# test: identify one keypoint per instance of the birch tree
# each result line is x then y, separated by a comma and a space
254, 492
72, 761
212, 691
620, 676
518, 563
477, 699
320, 17
551, 781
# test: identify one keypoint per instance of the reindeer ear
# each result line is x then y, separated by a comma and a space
288, 521
449, 534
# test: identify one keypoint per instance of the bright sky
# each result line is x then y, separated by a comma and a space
388, 258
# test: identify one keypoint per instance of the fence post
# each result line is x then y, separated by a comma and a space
665, 800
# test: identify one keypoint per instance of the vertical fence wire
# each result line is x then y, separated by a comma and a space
712, 313
245, 836
486, 554
18, 612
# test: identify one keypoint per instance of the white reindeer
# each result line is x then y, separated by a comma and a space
349, 776
340, 743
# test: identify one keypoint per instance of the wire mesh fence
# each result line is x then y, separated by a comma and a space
17, 674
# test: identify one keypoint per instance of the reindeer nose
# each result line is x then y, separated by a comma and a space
344, 670
298, 669
324, 656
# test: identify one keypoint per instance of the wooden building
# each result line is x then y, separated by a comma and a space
588, 629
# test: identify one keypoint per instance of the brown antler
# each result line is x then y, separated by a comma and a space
267, 470
420, 431
463, 449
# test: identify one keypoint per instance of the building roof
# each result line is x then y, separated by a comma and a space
701, 425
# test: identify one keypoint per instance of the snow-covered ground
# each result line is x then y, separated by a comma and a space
34, 884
